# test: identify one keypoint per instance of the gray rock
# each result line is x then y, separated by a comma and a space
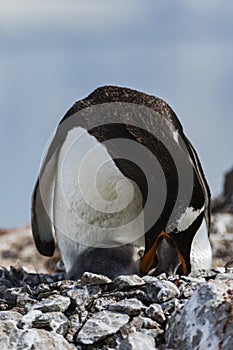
161, 291
10, 295
128, 294
101, 325
14, 338
24, 302
128, 281
205, 321
10, 316
155, 312
136, 324
92, 278
132, 307
94, 291
144, 325
62, 286
41, 288
147, 326
27, 319
149, 279
153, 332
103, 315
52, 321
78, 295
136, 293
193, 280
148, 323
9, 333
178, 305
205, 273
40, 339
169, 306
53, 303
188, 289
138, 341
220, 270
224, 276
162, 276
20, 277
102, 303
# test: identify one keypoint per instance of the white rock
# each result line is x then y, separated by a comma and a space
101, 325
138, 341
205, 322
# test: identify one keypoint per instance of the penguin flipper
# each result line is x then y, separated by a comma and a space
42, 203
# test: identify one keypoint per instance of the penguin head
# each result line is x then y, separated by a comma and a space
111, 262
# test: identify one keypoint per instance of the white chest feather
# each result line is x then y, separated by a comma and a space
94, 203
200, 255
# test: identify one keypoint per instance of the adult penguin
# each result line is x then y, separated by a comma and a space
122, 189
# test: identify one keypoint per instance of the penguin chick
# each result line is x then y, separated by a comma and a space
111, 262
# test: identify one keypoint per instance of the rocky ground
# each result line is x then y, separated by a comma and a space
40, 309
45, 311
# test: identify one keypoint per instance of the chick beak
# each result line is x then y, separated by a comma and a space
149, 257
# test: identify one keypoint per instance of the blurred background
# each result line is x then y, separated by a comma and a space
55, 52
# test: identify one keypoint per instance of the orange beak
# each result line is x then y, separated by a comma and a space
149, 257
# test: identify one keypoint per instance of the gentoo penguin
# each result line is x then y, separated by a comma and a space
122, 189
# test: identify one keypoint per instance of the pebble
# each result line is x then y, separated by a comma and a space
131, 307
138, 341
52, 321
205, 322
161, 291
225, 276
130, 312
101, 325
78, 295
53, 303
92, 278
127, 282
155, 312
